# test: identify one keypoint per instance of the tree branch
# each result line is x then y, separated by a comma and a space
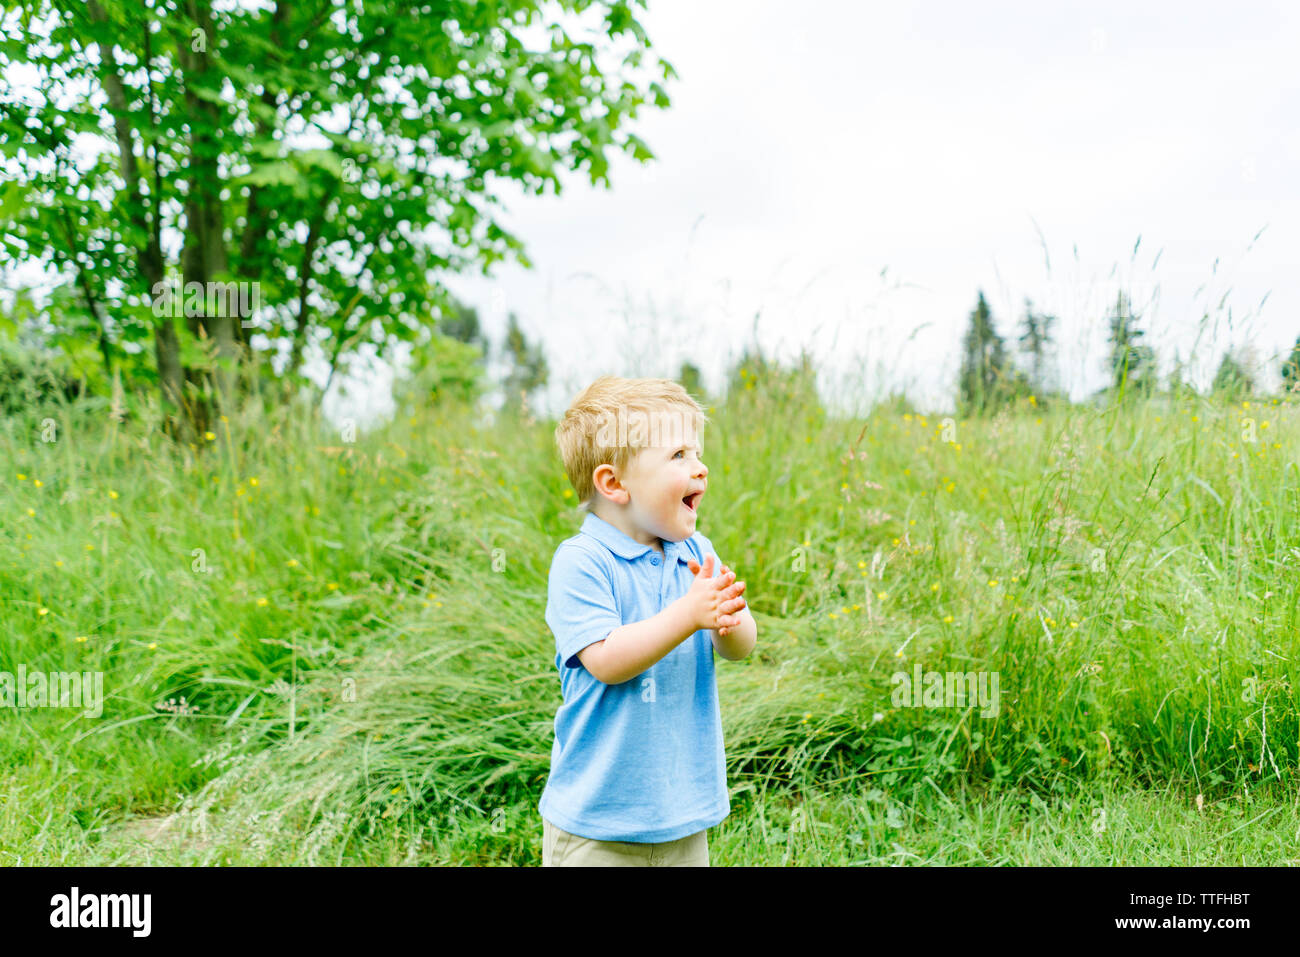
149, 258
304, 277
256, 218
92, 303
341, 339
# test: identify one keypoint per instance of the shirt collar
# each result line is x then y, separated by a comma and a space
624, 545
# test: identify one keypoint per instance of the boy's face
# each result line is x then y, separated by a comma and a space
658, 480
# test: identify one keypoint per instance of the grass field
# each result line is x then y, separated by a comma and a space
329, 652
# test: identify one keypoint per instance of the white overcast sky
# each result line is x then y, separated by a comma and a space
855, 172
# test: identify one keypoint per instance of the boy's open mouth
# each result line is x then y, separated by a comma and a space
692, 501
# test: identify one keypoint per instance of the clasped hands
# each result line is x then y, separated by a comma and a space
715, 602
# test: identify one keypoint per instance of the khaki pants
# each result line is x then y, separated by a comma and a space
562, 849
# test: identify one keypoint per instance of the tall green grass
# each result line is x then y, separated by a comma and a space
356, 628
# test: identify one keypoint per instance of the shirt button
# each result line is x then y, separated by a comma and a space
654, 561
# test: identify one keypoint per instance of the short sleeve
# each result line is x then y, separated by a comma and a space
580, 606
704, 548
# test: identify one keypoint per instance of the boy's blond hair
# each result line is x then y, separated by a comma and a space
613, 419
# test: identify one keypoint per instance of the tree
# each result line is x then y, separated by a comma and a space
460, 322
1233, 379
985, 380
759, 387
689, 378
1179, 387
443, 369
1132, 365
528, 370
1291, 369
1035, 342
336, 158
31, 374
451, 363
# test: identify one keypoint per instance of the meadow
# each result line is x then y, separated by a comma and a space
318, 651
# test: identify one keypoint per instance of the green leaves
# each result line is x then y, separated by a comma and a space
13, 200
271, 174
638, 148
327, 160
660, 95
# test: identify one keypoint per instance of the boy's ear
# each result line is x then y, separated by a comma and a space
606, 482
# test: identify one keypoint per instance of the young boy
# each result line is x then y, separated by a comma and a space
638, 603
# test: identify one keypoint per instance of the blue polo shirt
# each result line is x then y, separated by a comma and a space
639, 761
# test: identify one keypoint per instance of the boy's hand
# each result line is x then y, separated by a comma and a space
715, 603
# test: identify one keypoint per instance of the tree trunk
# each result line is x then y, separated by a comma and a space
204, 257
171, 379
